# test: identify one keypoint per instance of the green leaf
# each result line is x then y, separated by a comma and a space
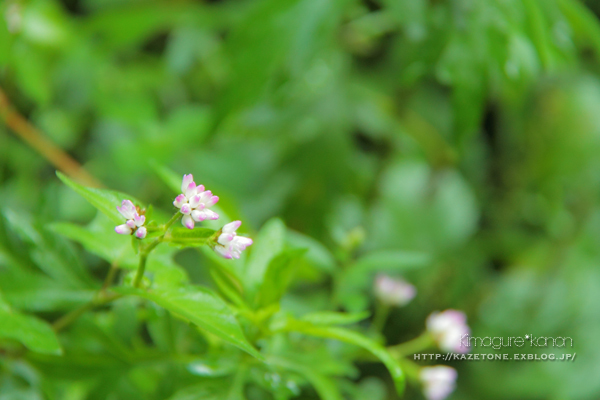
100, 239
201, 307
267, 245
184, 237
106, 201
357, 339
317, 254
325, 386
34, 333
335, 318
278, 276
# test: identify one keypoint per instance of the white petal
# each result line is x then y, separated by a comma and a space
123, 229
231, 227
186, 209
139, 219
242, 242
190, 191
195, 201
212, 201
198, 216
225, 238
187, 179
127, 209
179, 201
141, 233
211, 214
223, 251
187, 221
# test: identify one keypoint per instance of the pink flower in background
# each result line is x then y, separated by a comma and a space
134, 222
194, 202
448, 328
393, 291
230, 245
438, 381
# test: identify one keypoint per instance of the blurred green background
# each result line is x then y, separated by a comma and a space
466, 129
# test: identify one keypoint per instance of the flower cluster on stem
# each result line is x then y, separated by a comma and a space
229, 244
393, 291
194, 202
135, 221
447, 328
438, 381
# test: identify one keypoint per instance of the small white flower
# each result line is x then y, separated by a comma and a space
230, 245
438, 382
394, 292
134, 222
448, 328
194, 202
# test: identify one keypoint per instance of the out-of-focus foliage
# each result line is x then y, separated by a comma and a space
453, 142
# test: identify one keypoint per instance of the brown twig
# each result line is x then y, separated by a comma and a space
54, 154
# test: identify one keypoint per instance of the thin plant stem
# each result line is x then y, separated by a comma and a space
69, 318
110, 276
139, 275
382, 312
44, 146
416, 345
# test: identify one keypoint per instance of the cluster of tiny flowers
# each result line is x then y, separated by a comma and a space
448, 327
134, 223
438, 381
230, 245
194, 202
393, 291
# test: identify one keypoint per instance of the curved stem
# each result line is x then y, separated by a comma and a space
69, 318
139, 275
45, 147
416, 345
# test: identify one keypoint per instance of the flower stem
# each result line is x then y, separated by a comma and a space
382, 311
69, 318
416, 345
173, 219
139, 275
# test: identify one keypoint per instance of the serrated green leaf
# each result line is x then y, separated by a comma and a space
335, 318
267, 245
184, 237
34, 333
100, 239
357, 339
106, 201
201, 307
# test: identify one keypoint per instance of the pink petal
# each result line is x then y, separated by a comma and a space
186, 209
232, 226
123, 229
187, 179
141, 233
194, 201
179, 201
212, 201
187, 221
198, 215
139, 219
